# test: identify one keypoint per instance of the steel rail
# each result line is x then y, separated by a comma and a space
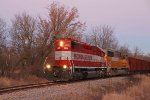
29, 86
38, 85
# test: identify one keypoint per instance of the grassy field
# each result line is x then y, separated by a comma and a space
138, 90
8, 82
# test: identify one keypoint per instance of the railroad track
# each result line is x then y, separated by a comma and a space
29, 86
50, 83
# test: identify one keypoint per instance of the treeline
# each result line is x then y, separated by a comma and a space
104, 37
25, 44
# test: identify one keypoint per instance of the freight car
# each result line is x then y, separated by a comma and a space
78, 60
138, 65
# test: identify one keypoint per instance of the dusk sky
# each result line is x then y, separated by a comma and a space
129, 18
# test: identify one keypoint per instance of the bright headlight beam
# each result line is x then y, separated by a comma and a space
64, 66
48, 66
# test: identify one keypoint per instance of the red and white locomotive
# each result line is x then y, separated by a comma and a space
74, 59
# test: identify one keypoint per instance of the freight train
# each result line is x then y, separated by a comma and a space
77, 60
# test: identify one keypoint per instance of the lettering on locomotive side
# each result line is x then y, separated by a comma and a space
82, 57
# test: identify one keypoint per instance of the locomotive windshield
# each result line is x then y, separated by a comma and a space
75, 45
110, 53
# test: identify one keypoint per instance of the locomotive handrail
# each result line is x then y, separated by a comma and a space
72, 65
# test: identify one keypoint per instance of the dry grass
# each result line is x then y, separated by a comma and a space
140, 91
8, 82
20, 77
132, 88
116, 96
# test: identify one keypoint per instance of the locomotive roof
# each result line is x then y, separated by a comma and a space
82, 43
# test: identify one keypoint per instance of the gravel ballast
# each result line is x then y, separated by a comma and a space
72, 91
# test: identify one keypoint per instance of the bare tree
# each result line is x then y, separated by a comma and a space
3, 63
125, 49
148, 57
23, 37
137, 52
61, 22
64, 22
87, 38
103, 36
2, 33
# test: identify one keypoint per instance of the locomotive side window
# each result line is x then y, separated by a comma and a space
75, 45
110, 53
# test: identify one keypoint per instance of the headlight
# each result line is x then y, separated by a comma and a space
61, 43
48, 66
64, 66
